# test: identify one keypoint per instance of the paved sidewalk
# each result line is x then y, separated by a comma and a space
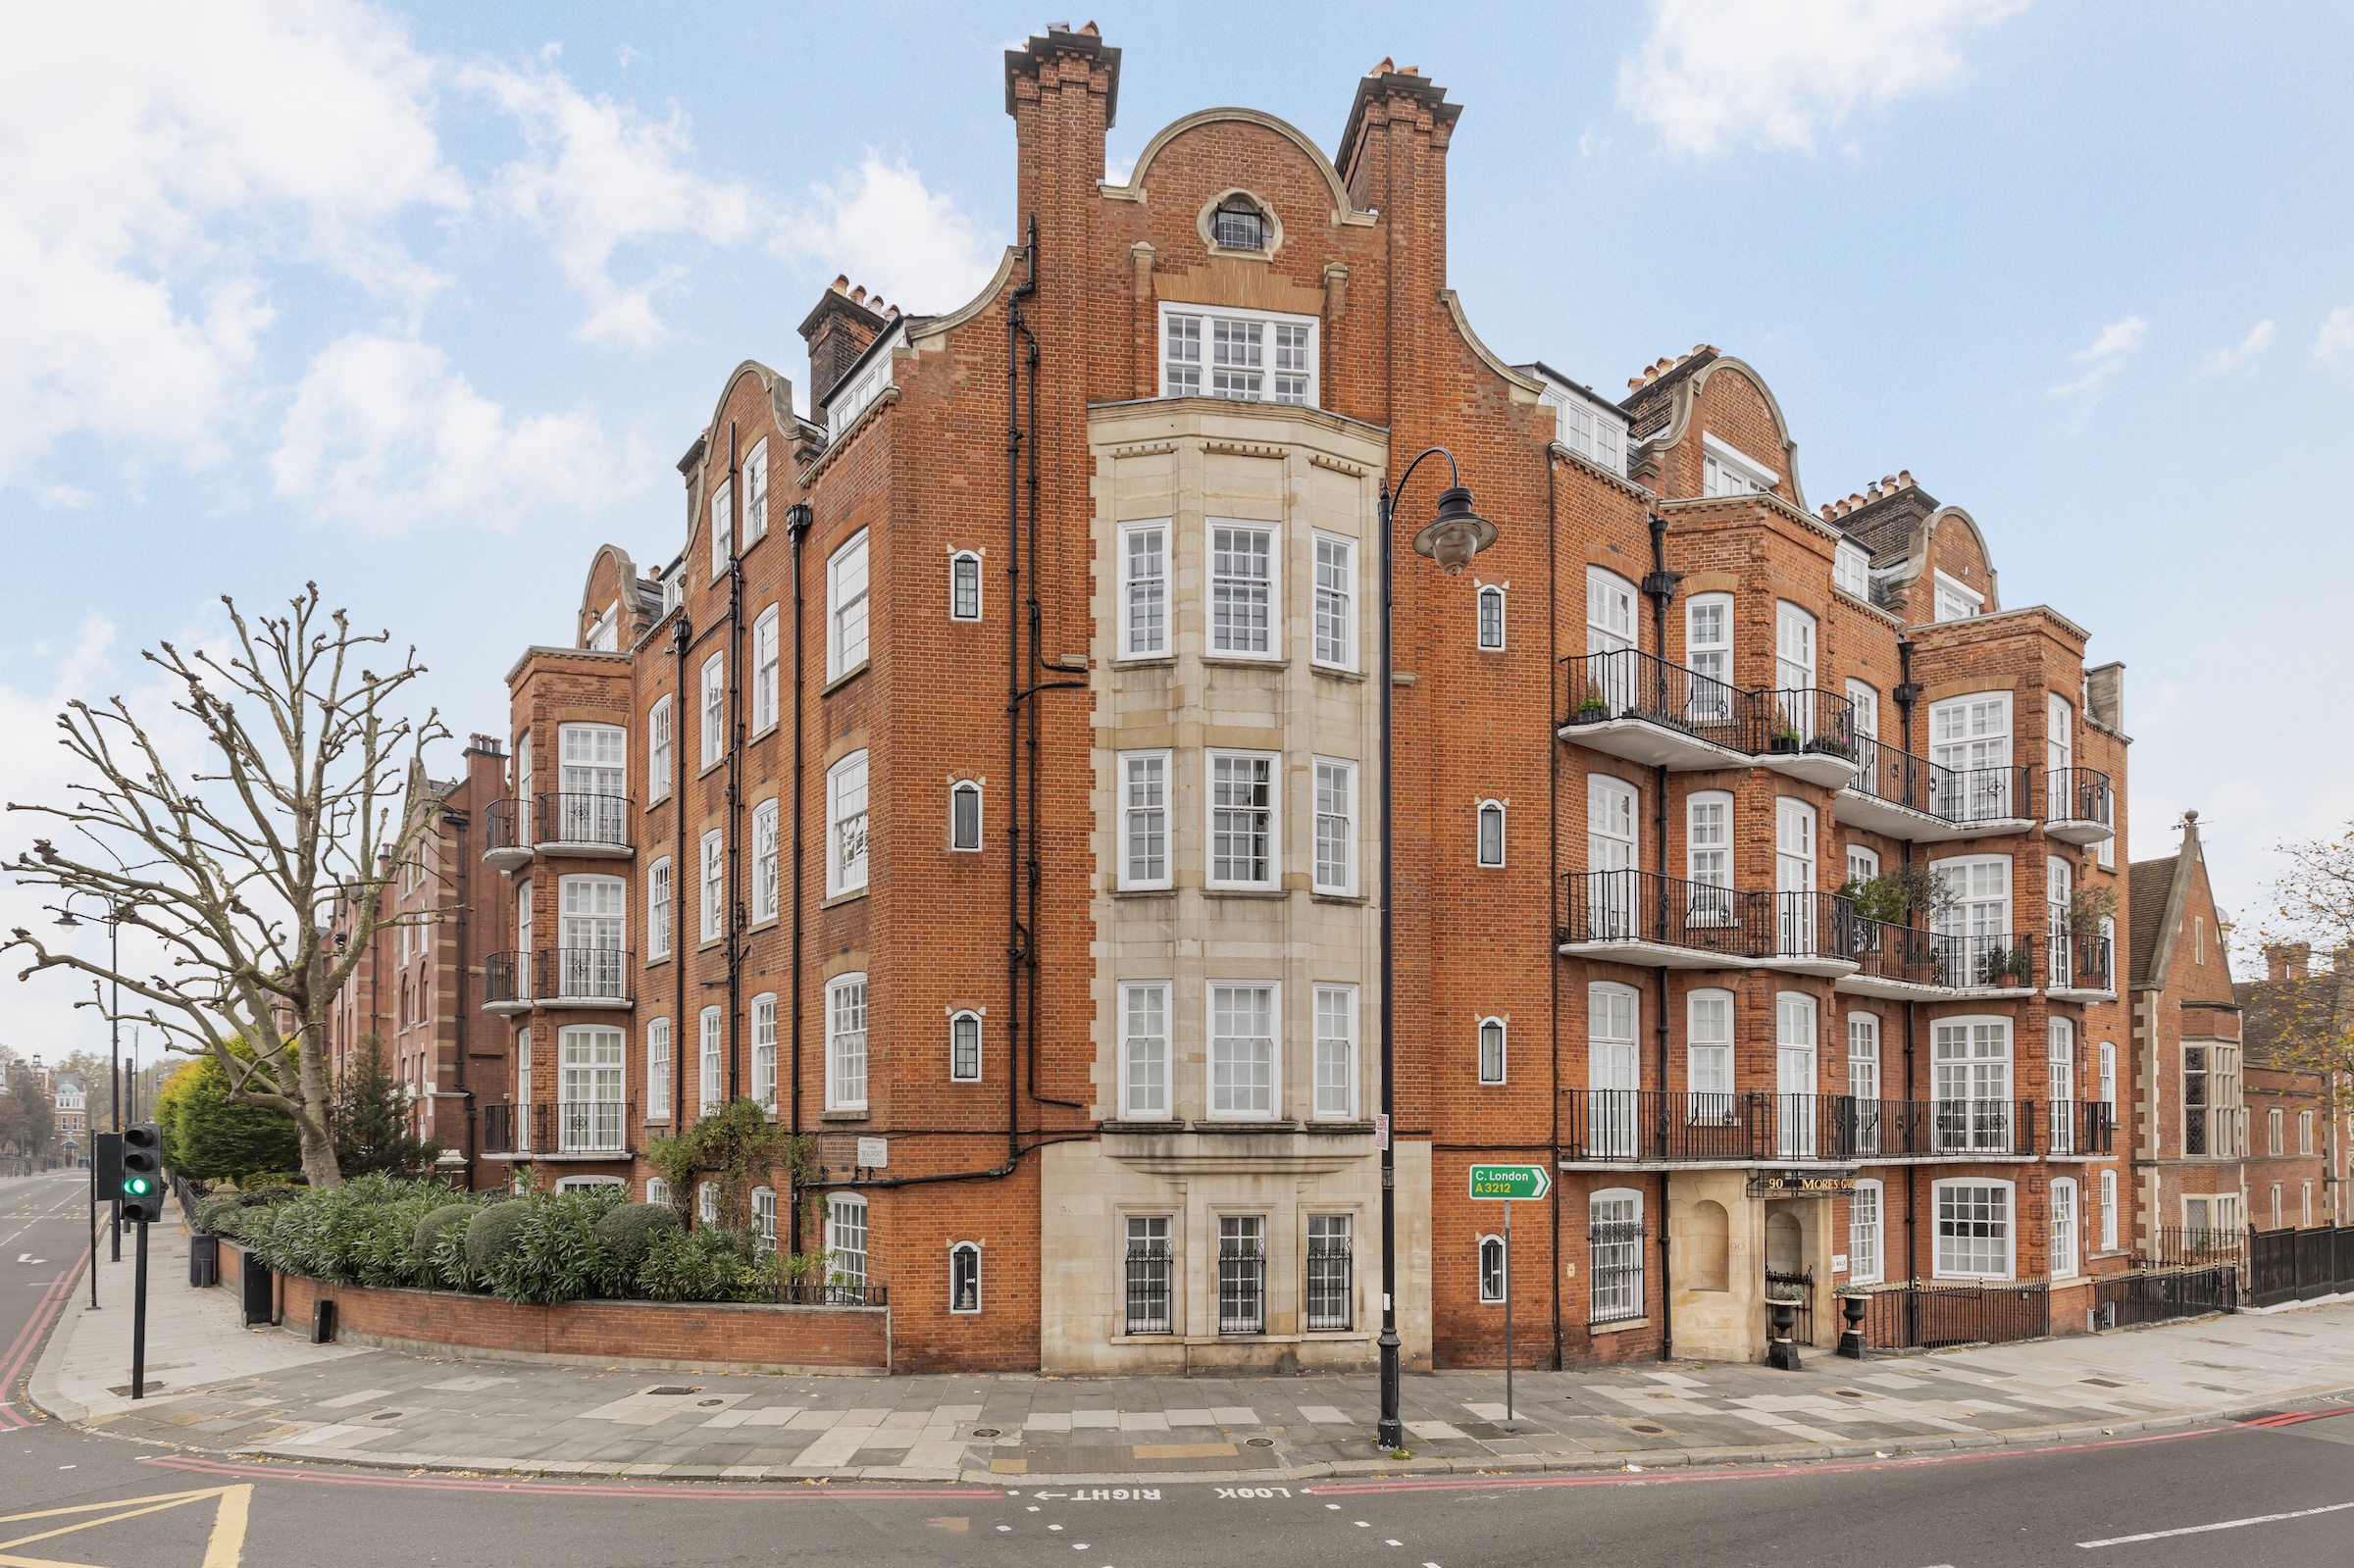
269, 1392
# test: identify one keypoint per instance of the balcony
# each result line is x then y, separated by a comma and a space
1906, 963
589, 826
1692, 1127
584, 976
1635, 705
1640, 917
2082, 1126
2080, 966
507, 984
506, 843
1905, 796
2078, 806
574, 1129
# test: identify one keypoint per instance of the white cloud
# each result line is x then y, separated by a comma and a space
1716, 74
386, 433
2259, 338
149, 165
893, 236
2103, 355
2334, 345
599, 175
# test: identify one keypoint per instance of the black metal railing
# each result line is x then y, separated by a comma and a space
516, 1129
594, 1126
2077, 795
2127, 1300
816, 1292
2079, 963
1750, 1126
1960, 795
2082, 1126
2192, 1246
506, 977
1701, 917
584, 973
1903, 953
1629, 684
1917, 1314
565, 817
500, 830
1982, 1127
2297, 1265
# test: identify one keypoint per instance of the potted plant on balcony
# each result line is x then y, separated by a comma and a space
2091, 906
1784, 740
1591, 708
1995, 968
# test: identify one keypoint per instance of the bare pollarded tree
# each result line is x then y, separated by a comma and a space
234, 873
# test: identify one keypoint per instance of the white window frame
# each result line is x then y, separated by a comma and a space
1611, 619
845, 1222
723, 527
1938, 1266
765, 671
1500, 596
1720, 1046
1960, 917
2066, 1226
1972, 1071
707, 1202
661, 908
2108, 1083
1596, 434
710, 1081
1862, 862
1333, 1053
1494, 1067
1486, 855
1864, 705
1867, 1267
1708, 644
711, 891
958, 1021
661, 734
764, 1219
1216, 581
1708, 840
1332, 603
1333, 783
1957, 597
1137, 1087
711, 692
1851, 569
843, 874
657, 1191
767, 863
764, 1051
960, 789
755, 493
1797, 651
970, 1251
2058, 733
1274, 816
1213, 1062
1205, 369
1140, 641
1496, 1286
1129, 763
2109, 1229
847, 586
1726, 469
845, 1092
960, 562
659, 1064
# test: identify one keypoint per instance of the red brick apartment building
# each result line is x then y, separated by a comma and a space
990, 785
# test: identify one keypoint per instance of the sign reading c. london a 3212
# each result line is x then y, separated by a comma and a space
1510, 1183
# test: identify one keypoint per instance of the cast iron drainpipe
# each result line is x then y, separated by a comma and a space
457, 820
1906, 694
798, 519
1659, 587
681, 642
731, 904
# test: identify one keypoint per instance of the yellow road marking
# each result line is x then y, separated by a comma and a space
222, 1551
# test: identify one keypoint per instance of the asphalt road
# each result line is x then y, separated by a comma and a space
137, 1505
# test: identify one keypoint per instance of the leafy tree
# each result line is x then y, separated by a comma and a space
2309, 1024
209, 1138
371, 1120
27, 1115
232, 879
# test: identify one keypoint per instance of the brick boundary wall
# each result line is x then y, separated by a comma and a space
656, 1336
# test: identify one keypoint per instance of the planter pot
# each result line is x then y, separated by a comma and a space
1850, 1342
1592, 714
1780, 1352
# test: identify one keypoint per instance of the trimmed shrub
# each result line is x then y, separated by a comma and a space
554, 1256
707, 1264
624, 1235
426, 1242
491, 1234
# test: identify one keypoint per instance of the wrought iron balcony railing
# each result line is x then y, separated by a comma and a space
584, 976
1682, 718
583, 823
1709, 922
2078, 805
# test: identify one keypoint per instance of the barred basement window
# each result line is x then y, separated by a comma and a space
964, 1278
1615, 1243
1329, 1285
1149, 1307
1241, 1274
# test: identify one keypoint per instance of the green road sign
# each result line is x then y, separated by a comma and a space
1509, 1181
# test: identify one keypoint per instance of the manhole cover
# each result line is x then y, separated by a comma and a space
985, 1431
673, 1390
1851, 1393
1645, 1426
1259, 1442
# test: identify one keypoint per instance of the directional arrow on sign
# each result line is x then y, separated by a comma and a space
1510, 1183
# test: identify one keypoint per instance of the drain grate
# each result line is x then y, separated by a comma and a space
1259, 1442
1644, 1426
673, 1390
985, 1431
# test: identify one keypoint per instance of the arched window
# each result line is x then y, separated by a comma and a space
964, 1047
1491, 832
965, 815
1491, 618
964, 586
1491, 1280
1239, 225
1491, 1050
582, 1183
964, 1278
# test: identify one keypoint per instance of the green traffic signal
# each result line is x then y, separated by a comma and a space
135, 1186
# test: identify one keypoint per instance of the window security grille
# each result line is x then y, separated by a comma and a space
1242, 1274
1616, 1270
1150, 1308
1328, 1272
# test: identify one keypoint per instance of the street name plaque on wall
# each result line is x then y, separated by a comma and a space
1801, 1183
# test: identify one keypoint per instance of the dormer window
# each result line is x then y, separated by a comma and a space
1239, 225
1726, 472
1851, 570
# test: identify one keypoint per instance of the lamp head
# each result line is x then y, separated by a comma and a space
1457, 533
67, 919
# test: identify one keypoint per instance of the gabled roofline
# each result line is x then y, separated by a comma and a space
1134, 190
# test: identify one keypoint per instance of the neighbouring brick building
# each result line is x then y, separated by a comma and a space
990, 785
2297, 1129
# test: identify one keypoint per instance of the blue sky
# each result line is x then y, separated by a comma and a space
424, 301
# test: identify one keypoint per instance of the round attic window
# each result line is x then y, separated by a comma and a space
1238, 223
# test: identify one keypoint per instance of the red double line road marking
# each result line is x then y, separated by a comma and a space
789, 1491
29, 1337
2290, 1418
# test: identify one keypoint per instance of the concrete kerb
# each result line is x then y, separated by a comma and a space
42, 1387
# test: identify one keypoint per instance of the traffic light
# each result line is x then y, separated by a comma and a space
142, 1173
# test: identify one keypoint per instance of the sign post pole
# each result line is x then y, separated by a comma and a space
1501, 1183
1508, 1314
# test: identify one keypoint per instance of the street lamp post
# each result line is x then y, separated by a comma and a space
114, 1048
1453, 538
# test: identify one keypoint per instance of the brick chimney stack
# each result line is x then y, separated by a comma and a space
2288, 960
840, 329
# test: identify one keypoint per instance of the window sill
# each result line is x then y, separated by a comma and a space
769, 924
763, 732
846, 678
837, 899
1341, 673
1162, 890
1239, 1125
658, 962
1619, 1325
1248, 661
1246, 891
1320, 896
710, 944
1144, 661
1337, 1129
707, 770
861, 1115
